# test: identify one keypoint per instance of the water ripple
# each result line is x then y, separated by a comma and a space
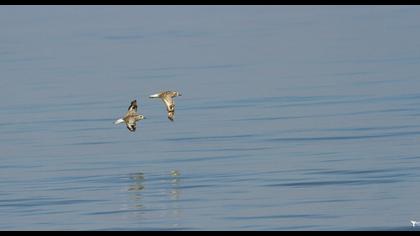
340, 138
342, 183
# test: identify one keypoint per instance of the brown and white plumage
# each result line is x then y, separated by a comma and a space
167, 98
131, 117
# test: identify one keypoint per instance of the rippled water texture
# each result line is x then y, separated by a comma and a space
292, 118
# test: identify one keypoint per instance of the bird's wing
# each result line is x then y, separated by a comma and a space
169, 102
131, 126
171, 115
133, 106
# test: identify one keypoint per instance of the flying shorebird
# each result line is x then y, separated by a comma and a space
167, 98
131, 117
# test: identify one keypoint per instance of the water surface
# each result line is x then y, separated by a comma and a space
292, 118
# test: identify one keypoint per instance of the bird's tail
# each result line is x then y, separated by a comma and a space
119, 121
154, 95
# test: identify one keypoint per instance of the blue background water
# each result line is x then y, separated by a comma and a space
292, 117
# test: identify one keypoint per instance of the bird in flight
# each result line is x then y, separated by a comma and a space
131, 117
168, 98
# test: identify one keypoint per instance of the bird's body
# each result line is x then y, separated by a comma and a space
131, 117
167, 98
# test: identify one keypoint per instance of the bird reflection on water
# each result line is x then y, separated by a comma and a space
164, 190
175, 181
136, 187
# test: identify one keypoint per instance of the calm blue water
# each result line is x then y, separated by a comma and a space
292, 118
